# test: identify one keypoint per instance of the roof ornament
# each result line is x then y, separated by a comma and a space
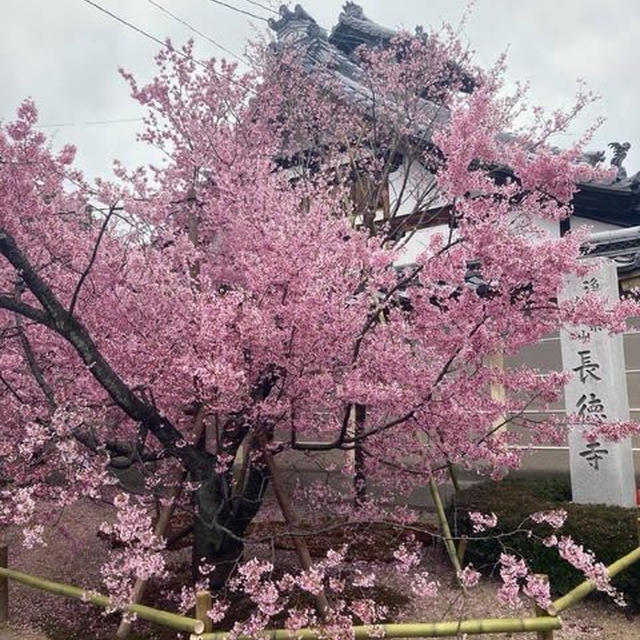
421, 33
354, 29
296, 24
620, 151
353, 9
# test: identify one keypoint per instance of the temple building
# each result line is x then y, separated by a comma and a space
610, 208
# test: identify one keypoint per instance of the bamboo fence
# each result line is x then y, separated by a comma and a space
543, 624
163, 618
412, 629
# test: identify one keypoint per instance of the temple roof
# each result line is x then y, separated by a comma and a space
616, 200
298, 28
354, 29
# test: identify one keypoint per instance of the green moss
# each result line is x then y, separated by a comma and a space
610, 532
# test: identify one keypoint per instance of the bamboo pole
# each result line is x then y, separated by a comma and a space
410, 629
454, 477
543, 634
462, 549
586, 587
444, 527
164, 618
203, 606
4, 585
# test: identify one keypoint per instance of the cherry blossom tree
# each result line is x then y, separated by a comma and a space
209, 319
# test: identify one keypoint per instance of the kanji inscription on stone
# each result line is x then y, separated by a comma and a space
601, 471
593, 454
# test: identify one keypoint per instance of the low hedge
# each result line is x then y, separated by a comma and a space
610, 532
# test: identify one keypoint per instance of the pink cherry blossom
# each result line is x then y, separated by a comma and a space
555, 517
482, 521
257, 298
469, 577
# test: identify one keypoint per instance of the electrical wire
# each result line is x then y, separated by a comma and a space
165, 45
146, 34
87, 123
234, 8
192, 28
262, 6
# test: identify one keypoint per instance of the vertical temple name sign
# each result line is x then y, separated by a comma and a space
602, 471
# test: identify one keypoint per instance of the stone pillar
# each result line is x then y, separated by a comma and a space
602, 471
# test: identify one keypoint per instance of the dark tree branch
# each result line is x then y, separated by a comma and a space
12, 391
25, 310
35, 368
92, 259
72, 330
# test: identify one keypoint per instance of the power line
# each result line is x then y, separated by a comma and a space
128, 24
87, 123
234, 8
262, 6
192, 28
164, 45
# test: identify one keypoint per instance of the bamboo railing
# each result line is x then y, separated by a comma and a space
412, 629
543, 624
586, 587
164, 618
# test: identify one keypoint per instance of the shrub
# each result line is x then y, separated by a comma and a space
610, 532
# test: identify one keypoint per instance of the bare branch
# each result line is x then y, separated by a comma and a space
35, 368
92, 259
12, 390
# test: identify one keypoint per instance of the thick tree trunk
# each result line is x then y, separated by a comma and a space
221, 522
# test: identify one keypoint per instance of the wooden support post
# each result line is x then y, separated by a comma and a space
544, 634
4, 586
203, 606
496, 360
293, 522
454, 477
445, 530
159, 531
462, 549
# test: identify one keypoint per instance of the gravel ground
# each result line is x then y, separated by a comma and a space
68, 558
14, 634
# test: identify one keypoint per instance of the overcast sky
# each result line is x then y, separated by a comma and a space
65, 55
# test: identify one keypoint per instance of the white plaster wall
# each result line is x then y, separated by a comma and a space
414, 244
418, 181
595, 225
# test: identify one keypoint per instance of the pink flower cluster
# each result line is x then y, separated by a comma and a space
142, 556
512, 570
482, 521
585, 561
408, 557
469, 577
516, 574
554, 517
